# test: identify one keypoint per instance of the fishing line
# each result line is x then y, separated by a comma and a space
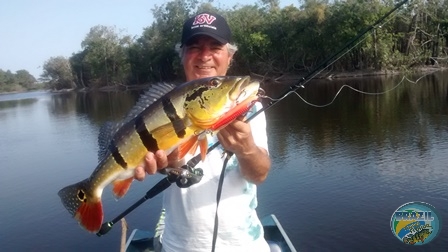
326, 65
339, 91
195, 160
173, 177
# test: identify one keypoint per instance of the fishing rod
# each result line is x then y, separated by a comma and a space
187, 175
348, 46
300, 84
182, 176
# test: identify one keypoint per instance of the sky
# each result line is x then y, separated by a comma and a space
31, 31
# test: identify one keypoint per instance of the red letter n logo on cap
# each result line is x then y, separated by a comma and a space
204, 18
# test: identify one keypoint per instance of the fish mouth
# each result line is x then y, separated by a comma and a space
242, 93
244, 89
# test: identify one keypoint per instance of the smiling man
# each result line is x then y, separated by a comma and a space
187, 222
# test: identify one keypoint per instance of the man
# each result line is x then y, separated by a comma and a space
205, 51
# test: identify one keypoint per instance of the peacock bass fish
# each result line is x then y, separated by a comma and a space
166, 117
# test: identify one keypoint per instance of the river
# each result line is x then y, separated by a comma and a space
338, 172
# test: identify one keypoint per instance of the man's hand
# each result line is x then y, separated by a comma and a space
154, 162
237, 137
254, 161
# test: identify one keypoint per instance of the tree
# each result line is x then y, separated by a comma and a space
25, 79
58, 73
81, 70
156, 46
248, 25
271, 40
106, 56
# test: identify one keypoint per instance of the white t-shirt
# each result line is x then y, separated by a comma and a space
190, 212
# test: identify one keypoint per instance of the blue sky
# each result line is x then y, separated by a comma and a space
32, 31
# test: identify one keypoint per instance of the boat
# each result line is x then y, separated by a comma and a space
275, 235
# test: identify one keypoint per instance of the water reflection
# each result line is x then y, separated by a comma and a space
14, 105
362, 156
17, 103
403, 114
62, 104
98, 107
104, 106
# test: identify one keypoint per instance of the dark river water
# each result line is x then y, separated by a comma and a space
338, 172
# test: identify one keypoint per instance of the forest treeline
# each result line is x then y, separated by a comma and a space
19, 81
272, 41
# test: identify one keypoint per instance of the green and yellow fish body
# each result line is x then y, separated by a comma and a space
165, 118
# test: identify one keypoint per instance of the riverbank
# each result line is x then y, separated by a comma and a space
273, 78
350, 74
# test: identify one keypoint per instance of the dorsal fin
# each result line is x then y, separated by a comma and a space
108, 130
155, 92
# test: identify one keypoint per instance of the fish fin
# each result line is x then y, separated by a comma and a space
84, 207
108, 130
154, 93
185, 147
105, 136
193, 149
203, 145
90, 216
121, 187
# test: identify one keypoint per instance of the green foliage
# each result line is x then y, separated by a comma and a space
22, 80
247, 26
80, 70
271, 41
25, 79
58, 73
152, 56
105, 56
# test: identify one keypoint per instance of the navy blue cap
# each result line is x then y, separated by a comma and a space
209, 24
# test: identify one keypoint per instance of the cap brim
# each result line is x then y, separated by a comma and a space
218, 38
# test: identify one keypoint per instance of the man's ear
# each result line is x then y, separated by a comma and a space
230, 60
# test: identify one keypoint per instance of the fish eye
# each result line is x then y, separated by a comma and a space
214, 82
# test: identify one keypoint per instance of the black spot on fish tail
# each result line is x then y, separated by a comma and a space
82, 195
117, 155
73, 195
147, 139
176, 121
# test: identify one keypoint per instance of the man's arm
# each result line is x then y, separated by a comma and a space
254, 161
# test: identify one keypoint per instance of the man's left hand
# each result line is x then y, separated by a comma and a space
237, 137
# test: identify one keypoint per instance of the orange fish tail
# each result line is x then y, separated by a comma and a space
90, 215
84, 207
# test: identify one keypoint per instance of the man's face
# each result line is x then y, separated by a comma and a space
205, 57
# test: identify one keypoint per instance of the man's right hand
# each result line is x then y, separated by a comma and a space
154, 162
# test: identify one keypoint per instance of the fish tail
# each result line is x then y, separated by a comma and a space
85, 208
